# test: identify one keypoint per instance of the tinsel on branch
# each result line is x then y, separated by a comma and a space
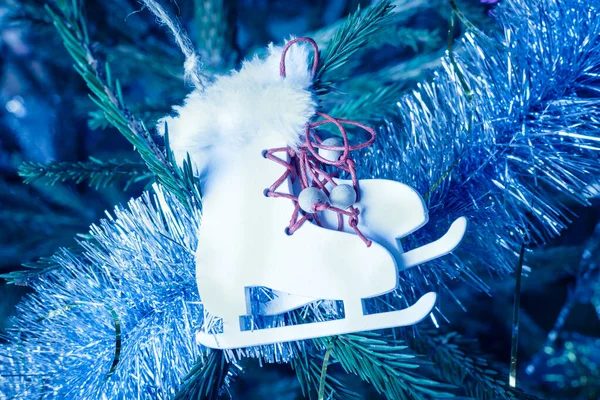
118, 320
509, 156
503, 134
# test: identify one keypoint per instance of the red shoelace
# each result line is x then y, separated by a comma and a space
306, 165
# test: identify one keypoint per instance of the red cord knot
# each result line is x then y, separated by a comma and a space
311, 169
318, 207
290, 44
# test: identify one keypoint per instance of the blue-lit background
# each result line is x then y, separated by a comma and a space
46, 115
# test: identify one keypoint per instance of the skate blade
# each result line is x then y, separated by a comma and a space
438, 248
392, 319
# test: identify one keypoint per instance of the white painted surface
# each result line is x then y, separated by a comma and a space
407, 316
242, 244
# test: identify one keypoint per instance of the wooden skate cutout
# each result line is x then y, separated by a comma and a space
242, 243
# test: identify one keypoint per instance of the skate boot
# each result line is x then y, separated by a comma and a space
277, 215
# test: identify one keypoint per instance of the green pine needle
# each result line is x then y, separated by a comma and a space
323, 378
97, 173
207, 376
384, 362
106, 94
39, 267
407, 37
308, 368
370, 107
205, 379
459, 361
379, 359
356, 32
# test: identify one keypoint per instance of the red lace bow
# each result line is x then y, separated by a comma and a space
311, 169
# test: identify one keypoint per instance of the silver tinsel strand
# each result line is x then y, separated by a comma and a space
141, 265
509, 157
505, 159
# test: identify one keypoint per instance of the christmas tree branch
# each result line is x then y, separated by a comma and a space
402, 11
308, 370
402, 36
459, 361
40, 267
371, 106
107, 95
381, 361
323, 377
352, 36
205, 379
97, 173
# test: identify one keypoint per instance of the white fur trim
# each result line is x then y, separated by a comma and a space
255, 101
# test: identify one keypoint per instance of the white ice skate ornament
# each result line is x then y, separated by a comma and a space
250, 139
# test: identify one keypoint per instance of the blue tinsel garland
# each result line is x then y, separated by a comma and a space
509, 157
527, 137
